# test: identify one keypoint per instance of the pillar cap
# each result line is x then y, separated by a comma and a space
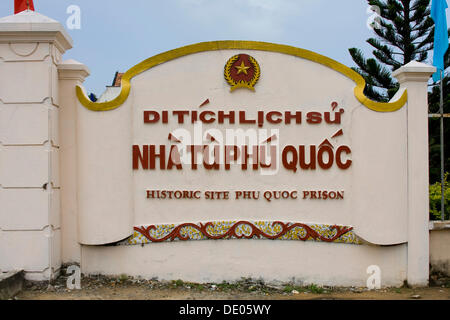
29, 26
414, 71
73, 70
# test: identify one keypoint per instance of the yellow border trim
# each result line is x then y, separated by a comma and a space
239, 45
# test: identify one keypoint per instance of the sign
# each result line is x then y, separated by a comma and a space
211, 162
251, 140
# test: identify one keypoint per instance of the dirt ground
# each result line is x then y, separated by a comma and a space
124, 288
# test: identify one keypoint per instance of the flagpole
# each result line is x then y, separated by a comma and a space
442, 150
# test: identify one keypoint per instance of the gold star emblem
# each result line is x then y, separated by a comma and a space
248, 79
242, 68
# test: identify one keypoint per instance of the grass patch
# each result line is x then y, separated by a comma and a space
197, 286
177, 283
315, 289
311, 288
226, 286
288, 289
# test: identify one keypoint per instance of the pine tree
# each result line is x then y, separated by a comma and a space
405, 33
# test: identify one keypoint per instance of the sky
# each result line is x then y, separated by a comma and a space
115, 35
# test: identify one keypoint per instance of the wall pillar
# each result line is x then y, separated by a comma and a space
414, 78
31, 47
71, 73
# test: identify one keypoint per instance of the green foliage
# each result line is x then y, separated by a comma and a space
405, 33
198, 287
225, 286
177, 283
435, 200
315, 289
289, 289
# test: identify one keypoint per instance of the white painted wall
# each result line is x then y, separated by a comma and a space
230, 260
93, 197
31, 46
109, 94
376, 185
71, 73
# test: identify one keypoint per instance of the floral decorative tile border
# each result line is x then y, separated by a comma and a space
271, 230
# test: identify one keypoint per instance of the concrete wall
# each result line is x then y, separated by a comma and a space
440, 247
30, 192
71, 73
68, 188
273, 261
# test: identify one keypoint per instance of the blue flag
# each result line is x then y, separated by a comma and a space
440, 35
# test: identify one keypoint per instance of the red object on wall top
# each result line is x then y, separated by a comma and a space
22, 5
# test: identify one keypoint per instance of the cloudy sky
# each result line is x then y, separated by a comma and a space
117, 34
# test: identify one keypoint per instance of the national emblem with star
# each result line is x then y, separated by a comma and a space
242, 71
